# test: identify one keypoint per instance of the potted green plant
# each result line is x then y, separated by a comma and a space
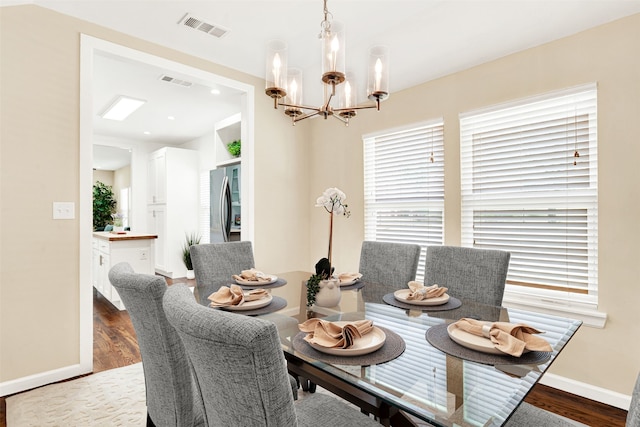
104, 205
190, 240
235, 148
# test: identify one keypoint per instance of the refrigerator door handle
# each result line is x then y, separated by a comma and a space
225, 208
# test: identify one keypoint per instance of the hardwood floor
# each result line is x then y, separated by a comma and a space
115, 345
114, 339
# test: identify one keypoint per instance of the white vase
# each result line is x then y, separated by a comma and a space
191, 274
329, 293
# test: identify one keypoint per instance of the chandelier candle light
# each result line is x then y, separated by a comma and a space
285, 85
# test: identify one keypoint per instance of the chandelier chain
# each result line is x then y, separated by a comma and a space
326, 23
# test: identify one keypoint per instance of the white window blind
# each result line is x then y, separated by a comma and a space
404, 186
529, 186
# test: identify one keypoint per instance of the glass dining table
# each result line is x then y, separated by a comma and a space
418, 373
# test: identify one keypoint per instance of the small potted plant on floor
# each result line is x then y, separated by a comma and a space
190, 240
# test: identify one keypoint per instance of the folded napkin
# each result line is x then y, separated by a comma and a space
510, 338
419, 291
252, 275
235, 295
329, 334
348, 277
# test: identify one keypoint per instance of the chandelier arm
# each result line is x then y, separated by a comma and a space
327, 104
302, 107
342, 119
306, 116
357, 107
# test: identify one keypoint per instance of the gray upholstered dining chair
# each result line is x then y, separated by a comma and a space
240, 368
387, 267
215, 263
469, 273
633, 416
171, 397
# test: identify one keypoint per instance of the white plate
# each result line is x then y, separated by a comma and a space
350, 282
403, 294
474, 342
251, 305
365, 345
272, 279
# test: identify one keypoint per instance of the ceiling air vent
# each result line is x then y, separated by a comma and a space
169, 79
211, 29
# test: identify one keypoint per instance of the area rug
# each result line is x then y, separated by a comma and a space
110, 398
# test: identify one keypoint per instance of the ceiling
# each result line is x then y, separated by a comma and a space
179, 108
427, 39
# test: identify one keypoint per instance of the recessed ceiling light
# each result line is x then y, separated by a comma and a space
171, 118
215, 91
121, 108
146, 132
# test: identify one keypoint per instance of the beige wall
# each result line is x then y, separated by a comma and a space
39, 113
39, 136
105, 177
608, 55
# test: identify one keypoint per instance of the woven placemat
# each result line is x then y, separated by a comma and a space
452, 304
277, 303
276, 284
393, 347
359, 284
439, 338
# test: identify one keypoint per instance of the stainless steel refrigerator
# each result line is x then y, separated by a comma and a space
225, 204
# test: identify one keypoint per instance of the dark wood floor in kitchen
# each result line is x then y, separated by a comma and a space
115, 345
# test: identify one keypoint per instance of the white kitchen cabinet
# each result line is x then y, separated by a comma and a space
173, 210
157, 177
157, 221
110, 249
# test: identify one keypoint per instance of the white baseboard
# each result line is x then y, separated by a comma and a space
588, 391
44, 378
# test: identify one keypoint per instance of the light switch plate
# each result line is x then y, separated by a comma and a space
64, 210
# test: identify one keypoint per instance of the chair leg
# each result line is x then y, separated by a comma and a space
307, 385
149, 422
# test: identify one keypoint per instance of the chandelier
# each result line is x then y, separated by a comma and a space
285, 85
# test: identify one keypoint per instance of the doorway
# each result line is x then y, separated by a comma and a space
94, 50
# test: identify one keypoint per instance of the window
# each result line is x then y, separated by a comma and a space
125, 202
529, 186
404, 186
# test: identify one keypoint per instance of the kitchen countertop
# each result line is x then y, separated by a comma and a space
128, 235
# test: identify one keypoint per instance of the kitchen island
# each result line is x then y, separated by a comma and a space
110, 248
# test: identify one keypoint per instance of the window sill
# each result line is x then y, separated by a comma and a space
589, 316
